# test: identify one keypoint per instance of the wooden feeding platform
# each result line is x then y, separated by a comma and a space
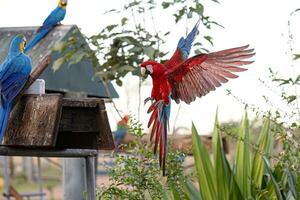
54, 125
53, 121
51, 125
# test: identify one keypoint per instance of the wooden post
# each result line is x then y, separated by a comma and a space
74, 170
39, 178
90, 178
29, 169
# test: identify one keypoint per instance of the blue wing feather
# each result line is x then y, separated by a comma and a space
4, 115
6, 68
13, 75
183, 48
13, 85
10, 66
185, 45
52, 19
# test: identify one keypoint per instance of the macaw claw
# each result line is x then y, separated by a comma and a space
148, 99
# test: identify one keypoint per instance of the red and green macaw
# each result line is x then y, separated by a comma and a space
122, 130
183, 79
55, 17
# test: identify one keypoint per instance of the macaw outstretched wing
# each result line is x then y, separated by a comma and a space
183, 48
202, 73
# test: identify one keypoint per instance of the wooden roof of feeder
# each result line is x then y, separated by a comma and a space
75, 78
56, 121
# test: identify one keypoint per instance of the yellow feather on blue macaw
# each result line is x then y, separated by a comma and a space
54, 19
14, 72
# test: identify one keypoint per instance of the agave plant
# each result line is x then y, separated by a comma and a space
250, 176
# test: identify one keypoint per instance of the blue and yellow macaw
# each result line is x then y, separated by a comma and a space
14, 72
55, 17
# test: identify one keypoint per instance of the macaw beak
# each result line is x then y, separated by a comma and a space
63, 3
23, 45
143, 71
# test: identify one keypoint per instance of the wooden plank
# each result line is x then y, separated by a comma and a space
46, 152
82, 102
105, 141
79, 119
13, 193
34, 121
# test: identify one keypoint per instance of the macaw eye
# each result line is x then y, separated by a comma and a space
149, 68
24, 41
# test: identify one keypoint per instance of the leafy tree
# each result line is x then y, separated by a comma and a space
120, 47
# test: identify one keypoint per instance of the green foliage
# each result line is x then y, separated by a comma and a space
296, 56
287, 118
120, 47
241, 180
137, 175
206, 175
252, 175
284, 115
265, 146
220, 162
243, 162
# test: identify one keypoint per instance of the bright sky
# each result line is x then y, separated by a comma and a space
262, 24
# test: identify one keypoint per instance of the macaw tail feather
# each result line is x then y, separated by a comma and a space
159, 121
38, 37
4, 116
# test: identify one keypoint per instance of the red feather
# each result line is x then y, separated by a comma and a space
175, 59
202, 73
159, 122
154, 129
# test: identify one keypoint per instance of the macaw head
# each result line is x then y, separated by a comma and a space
151, 68
124, 120
17, 45
63, 3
